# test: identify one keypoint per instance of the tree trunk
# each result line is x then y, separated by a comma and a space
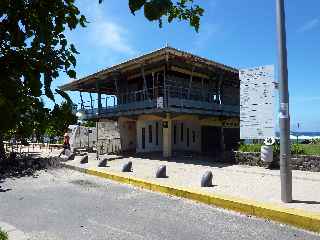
2, 150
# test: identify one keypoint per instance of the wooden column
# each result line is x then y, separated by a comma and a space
165, 90
167, 131
97, 123
99, 103
82, 106
91, 103
99, 98
220, 88
222, 144
116, 86
190, 83
153, 89
202, 89
145, 87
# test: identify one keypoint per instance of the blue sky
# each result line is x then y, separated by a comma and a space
241, 34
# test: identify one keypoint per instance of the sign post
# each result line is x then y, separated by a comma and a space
284, 118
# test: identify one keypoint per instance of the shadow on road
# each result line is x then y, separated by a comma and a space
306, 202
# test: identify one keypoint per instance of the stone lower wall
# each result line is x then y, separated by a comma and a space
298, 162
305, 163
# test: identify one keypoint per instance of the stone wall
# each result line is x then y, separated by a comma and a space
306, 163
298, 162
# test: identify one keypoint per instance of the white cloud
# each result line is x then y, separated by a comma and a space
103, 31
309, 25
206, 33
111, 35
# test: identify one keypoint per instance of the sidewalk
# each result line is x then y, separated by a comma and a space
13, 233
250, 185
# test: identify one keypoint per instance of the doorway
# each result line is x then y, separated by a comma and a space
143, 136
210, 140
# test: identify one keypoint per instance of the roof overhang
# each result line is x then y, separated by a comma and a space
104, 79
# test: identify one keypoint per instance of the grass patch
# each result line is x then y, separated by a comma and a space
3, 235
297, 149
250, 148
311, 149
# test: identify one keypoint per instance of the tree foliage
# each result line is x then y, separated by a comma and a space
61, 117
34, 50
156, 10
33, 119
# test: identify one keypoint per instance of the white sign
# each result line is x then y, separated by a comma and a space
257, 97
160, 102
108, 137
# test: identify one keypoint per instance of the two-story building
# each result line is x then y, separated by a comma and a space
167, 100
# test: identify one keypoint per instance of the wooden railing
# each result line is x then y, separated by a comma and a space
172, 98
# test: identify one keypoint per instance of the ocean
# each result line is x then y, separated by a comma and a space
302, 135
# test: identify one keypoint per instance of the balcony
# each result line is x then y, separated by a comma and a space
167, 99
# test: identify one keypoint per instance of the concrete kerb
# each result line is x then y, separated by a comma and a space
298, 218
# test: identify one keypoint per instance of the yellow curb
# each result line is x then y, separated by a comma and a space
298, 218
139, 183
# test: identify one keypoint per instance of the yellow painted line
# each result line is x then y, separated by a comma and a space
295, 217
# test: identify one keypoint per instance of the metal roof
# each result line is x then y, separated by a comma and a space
142, 59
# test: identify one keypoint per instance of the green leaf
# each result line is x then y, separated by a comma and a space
73, 60
73, 49
63, 42
151, 12
83, 21
136, 5
72, 73
64, 95
47, 86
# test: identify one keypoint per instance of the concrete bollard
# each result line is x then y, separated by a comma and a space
206, 180
161, 172
61, 152
127, 167
72, 156
103, 163
84, 159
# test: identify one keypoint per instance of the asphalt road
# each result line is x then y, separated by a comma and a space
64, 204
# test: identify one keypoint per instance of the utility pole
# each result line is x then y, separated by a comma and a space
284, 117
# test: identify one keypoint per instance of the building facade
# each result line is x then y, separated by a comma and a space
167, 100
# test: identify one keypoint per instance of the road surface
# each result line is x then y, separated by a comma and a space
64, 204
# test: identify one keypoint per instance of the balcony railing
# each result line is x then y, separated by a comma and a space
169, 98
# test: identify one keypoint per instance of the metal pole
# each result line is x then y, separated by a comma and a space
88, 138
284, 117
97, 140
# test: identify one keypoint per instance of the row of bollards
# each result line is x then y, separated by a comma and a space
206, 180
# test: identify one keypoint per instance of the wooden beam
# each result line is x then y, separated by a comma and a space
188, 72
146, 72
